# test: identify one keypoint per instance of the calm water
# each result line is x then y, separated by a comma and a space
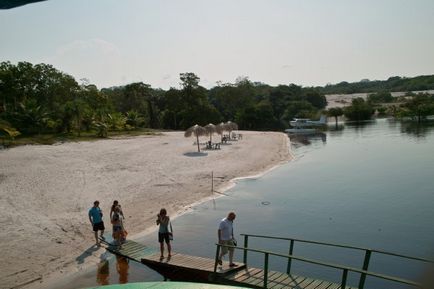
369, 186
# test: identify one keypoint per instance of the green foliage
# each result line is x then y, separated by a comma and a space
39, 99
380, 97
259, 117
382, 110
335, 112
134, 119
116, 121
396, 83
7, 132
358, 110
418, 107
101, 128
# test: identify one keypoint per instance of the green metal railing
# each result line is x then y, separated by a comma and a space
345, 269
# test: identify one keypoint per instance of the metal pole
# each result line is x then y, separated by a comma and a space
291, 248
344, 279
365, 268
217, 253
246, 243
266, 270
212, 181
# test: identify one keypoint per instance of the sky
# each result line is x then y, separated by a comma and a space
306, 42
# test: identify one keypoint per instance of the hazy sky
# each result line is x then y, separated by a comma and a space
273, 41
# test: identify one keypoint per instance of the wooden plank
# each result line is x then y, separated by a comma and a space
246, 275
288, 281
249, 274
324, 285
280, 281
255, 278
294, 283
132, 251
306, 282
192, 262
132, 246
238, 274
314, 284
273, 275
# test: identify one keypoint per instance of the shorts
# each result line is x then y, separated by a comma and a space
117, 232
163, 237
229, 243
98, 227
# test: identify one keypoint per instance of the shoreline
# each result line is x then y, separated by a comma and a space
71, 269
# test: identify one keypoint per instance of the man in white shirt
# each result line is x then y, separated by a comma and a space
226, 237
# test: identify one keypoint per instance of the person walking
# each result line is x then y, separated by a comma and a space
226, 237
164, 235
112, 210
95, 218
118, 226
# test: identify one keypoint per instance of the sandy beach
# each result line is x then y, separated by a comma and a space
46, 192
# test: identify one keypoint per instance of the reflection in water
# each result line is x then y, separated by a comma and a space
103, 273
305, 139
122, 266
360, 125
419, 130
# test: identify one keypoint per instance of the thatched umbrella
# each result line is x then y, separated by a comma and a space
210, 129
220, 128
230, 126
197, 131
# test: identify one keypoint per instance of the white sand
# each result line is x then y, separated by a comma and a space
46, 192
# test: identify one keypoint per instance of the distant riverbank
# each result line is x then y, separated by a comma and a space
341, 100
47, 191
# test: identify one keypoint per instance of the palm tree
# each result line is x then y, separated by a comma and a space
335, 112
197, 131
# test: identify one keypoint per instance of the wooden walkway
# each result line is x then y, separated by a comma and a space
254, 278
190, 268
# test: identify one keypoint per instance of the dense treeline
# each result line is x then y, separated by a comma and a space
396, 83
38, 99
41, 100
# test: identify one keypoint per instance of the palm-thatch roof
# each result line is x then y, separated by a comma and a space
196, 131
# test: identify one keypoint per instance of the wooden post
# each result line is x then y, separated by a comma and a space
217, 253
291, 248
212, 182
246, 243
365, 268
344, 279
266, 270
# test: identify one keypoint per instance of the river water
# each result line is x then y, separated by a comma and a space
369, 185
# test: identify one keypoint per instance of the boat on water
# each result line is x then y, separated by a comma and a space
305, 122
305, 125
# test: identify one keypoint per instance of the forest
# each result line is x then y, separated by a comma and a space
40, 100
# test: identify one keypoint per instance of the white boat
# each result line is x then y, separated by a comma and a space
305, 125
305, 122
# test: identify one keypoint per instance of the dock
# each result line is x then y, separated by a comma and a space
184, 267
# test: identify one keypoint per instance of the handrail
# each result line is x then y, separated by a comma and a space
326, 264
341, 246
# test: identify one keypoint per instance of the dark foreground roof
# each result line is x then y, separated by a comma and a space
8, 4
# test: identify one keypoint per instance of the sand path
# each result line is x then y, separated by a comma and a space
46, 191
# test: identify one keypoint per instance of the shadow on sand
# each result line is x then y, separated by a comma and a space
196, 154
88, 252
